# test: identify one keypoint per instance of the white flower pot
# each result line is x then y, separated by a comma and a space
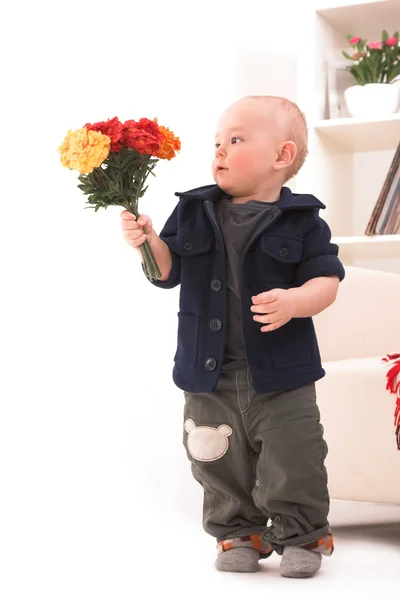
372, 99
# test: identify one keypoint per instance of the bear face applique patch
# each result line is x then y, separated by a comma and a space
207, 443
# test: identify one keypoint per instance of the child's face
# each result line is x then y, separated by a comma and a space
247, 145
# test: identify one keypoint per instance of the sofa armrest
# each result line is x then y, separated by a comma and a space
357, 411
365, 318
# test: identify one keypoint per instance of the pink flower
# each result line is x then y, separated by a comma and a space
391, 41
357, 55
375, 45
355, 40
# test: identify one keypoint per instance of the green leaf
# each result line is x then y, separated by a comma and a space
346, 55
393, 73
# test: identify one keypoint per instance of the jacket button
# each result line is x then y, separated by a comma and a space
210, 364
215, 325
187, 246
216, 285
283, 251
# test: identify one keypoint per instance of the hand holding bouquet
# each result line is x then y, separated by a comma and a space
114, 160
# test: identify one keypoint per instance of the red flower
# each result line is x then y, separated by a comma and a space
392, 41
112, 128
355, 40
375, 45
143, 135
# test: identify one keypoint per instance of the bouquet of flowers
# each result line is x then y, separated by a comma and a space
374, 62
114, 160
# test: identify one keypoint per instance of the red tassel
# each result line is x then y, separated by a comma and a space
393, 385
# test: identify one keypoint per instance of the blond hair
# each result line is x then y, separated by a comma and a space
296, 128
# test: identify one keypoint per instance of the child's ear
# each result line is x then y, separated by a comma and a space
286, 155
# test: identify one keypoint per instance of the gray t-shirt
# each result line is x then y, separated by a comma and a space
237, 223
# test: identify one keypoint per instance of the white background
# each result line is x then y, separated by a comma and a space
95, 482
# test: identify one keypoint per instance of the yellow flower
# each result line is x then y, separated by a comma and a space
84, 150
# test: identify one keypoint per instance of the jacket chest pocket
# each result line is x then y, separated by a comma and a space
196, 251
279, 258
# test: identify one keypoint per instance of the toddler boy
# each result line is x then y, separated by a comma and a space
255, 263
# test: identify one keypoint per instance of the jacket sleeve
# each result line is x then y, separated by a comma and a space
168, 234
320, 255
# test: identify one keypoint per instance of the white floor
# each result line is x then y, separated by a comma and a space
128, 531
92, 508
366, 562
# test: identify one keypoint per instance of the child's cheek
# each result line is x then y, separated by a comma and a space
243, 164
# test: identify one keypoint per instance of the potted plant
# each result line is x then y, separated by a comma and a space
375, 66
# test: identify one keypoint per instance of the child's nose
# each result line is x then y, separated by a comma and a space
220, 152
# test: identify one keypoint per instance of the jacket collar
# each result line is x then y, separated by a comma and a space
287, 200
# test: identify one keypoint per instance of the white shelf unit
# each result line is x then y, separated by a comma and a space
367, 247
348, 158
358, 135
370, 17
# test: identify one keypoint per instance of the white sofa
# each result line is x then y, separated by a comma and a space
357, 411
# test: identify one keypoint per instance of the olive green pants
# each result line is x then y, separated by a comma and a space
260, 461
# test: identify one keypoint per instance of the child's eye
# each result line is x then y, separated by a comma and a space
217, 145
235, 140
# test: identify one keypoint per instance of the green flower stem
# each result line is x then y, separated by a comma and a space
146, 272
150, 264
152, 270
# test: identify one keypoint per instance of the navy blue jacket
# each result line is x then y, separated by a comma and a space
290, 247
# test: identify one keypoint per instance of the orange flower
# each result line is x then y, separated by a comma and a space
170, 144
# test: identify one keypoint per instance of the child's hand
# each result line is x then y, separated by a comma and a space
277, 308
136, 232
